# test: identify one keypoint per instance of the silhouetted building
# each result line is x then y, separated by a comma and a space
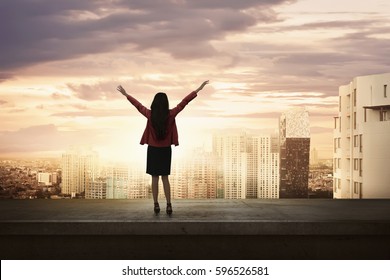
294, 138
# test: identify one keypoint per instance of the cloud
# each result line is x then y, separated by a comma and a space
96, 91
318, 55
268, 115
59, 96
4, 76
50, 30
45, 138
363, 24
94, 113
319, 130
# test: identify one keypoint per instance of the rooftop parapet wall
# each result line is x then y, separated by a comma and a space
217, 229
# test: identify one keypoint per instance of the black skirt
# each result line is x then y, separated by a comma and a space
158, 161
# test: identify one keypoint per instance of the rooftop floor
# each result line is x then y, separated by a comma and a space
302, 225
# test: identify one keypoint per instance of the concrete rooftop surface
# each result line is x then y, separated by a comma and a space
215, 229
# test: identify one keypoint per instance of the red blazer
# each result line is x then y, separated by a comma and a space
149, 136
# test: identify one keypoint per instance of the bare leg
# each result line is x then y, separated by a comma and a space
155, 188
167, 188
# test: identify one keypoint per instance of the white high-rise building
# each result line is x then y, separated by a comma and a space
250, 165
79, 166
117, 181
234, 161
314, 156
361, 157
44, 178
202, 175
178, 180
194, 177
268, 167
127, 182
139, 182
218, 154
96, 189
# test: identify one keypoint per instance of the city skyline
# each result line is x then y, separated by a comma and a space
61, 63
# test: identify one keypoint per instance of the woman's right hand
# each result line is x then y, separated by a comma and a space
121, 90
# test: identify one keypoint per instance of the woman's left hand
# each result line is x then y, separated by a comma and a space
202, 85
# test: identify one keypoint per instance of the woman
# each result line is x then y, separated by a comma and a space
160, 133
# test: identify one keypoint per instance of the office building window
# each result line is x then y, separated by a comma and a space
355, 140
360, 167
361, 143
339, 103
385, 90
354, 120
356, 164
385, 116
340, 124
356, 188
354, 97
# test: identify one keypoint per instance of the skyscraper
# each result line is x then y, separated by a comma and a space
96, 189
294, 138
361, 135
233, 149
314, 156
268, 167
217, 151
178, 180
79, 165
127, 182
117, 178
250, 165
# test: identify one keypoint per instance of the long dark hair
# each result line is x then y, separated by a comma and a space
160, 112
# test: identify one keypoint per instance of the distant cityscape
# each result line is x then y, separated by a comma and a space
240, 166
41, 179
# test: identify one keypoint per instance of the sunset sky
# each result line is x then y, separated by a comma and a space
61, 61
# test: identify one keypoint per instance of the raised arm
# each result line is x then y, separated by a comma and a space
141, 108
187, 99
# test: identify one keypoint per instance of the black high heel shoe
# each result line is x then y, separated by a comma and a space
156, 208
169, 209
